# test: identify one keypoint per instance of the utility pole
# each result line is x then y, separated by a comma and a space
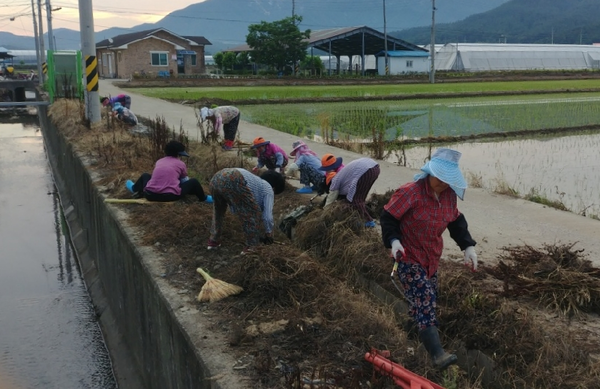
432, 46
37, 45
50, 33
88, 51
293, 8
41, 38
387, 63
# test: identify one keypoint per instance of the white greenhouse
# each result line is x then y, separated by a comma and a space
477, 57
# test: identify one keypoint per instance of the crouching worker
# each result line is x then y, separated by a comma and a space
251, 198
122, 99
412, 224
124, 114
307, 162
269, 155
353, 182
169, 180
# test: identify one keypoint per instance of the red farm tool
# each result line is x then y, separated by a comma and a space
402, 377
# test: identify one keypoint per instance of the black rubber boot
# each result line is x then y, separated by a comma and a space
431, 340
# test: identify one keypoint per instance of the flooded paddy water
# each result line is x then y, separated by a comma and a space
49, 334
562, 169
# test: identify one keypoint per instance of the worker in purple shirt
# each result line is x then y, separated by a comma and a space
269, 155
125, 101
169, 180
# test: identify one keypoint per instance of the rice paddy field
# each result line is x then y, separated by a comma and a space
237, 93
423, 118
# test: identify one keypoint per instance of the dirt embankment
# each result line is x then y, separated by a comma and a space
305, 320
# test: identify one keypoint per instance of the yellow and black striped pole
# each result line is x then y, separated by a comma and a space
89, 61
45, 68
91, 73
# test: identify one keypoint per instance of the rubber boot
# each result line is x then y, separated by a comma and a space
431, 340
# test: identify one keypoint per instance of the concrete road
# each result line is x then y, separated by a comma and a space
495, 221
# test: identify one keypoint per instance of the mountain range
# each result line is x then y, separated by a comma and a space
225, 22
509, 21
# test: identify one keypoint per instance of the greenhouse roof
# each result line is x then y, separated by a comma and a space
490, 56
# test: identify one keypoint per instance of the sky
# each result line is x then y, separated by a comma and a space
107, 14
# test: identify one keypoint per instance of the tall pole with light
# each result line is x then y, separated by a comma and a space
385, 46
432, 46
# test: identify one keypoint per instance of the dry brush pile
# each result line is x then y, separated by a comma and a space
304, 318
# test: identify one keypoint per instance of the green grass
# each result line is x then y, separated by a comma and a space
320, 91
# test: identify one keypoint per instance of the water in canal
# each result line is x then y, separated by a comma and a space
49, 335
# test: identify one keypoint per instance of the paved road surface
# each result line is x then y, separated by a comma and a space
495, 221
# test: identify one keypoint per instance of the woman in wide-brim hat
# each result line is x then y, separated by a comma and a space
307, 162
412, 225
268, 155
353, 182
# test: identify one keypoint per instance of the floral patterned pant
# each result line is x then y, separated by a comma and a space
309, 175
421, 293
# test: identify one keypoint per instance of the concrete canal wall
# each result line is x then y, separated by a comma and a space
155, 341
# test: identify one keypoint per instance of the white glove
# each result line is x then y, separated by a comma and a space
471, 257
397, 249
331, 197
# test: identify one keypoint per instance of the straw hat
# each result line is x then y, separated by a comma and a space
330, 162
296, 146
259, 141
444, 166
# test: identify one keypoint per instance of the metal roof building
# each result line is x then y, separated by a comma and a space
350, 42
476, 57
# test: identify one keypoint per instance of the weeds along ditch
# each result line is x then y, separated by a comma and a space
304, 320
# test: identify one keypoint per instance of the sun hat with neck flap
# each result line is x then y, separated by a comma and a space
443, 165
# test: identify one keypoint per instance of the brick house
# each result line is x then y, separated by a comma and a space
157, 52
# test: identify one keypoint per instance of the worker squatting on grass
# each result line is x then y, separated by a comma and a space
169, 180
308, 163
412, 224
268, 155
